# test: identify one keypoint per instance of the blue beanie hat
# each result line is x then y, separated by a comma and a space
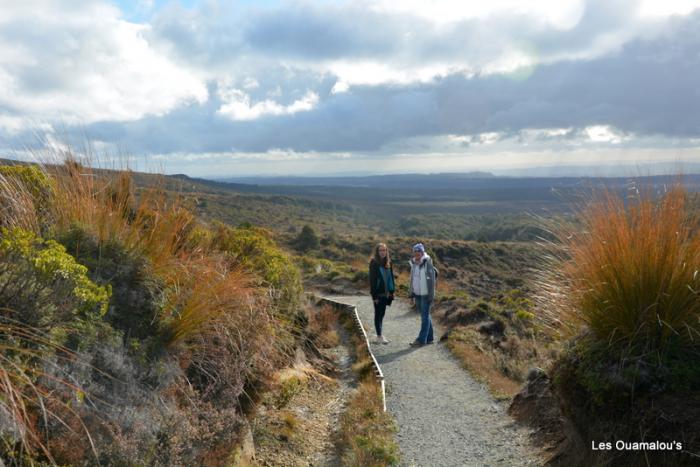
419, 247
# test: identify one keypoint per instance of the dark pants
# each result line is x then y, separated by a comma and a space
379, 310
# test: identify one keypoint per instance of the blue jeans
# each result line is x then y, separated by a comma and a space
426, 324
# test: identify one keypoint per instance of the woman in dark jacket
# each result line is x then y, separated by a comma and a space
381, 286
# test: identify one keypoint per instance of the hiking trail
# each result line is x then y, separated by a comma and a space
444, 416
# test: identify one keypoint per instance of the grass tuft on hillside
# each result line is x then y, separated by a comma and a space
131, 332
625, 291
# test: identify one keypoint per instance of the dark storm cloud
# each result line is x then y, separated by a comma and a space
309, 32
219, 33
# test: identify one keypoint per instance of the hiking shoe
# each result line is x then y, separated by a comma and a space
416, 343
383, 340
429, 342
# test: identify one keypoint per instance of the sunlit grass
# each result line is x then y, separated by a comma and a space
629, 272
151, 223
223, 310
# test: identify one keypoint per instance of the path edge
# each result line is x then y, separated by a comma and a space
360, 330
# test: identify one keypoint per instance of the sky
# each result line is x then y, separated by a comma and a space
214, 88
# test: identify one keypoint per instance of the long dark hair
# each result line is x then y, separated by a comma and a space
386, 262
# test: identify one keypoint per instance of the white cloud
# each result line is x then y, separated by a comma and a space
667, 7
340, 87
86, 64
251, 83
487, 138
435, 77
562, 13
604, 134
238, 105
373, 73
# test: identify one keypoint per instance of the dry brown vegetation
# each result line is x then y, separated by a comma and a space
167, 325
622, 289
630, 274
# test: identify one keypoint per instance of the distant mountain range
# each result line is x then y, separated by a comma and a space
387, 181
445, 180
605, 170
536, 177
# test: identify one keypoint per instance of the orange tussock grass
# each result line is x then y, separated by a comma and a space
322, 323
200, 285
630, 272
151, 224
206, 291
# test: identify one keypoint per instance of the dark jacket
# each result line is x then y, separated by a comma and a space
377, 286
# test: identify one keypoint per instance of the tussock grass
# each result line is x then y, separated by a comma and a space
200, 286
630, 273
219, 305
321, 326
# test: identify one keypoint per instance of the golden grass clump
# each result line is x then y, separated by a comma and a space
629, 272
219, 315
199, 285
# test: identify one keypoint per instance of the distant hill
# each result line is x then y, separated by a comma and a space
605, 170
486, 184
387, 181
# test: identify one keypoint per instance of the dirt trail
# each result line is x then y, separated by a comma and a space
445, 417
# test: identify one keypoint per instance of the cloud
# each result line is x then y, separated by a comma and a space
78, 62
646, 88
238, 106
370, 78
381, 42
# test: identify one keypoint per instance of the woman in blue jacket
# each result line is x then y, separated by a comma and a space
381, 286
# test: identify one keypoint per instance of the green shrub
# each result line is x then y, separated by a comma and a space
32, 178
43, 287
361, 276
136, 293
25, 197
307, 239
253, 249
287, 390
524, 315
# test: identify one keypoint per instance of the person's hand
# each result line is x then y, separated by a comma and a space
376, 301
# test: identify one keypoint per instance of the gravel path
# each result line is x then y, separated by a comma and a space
445, 417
